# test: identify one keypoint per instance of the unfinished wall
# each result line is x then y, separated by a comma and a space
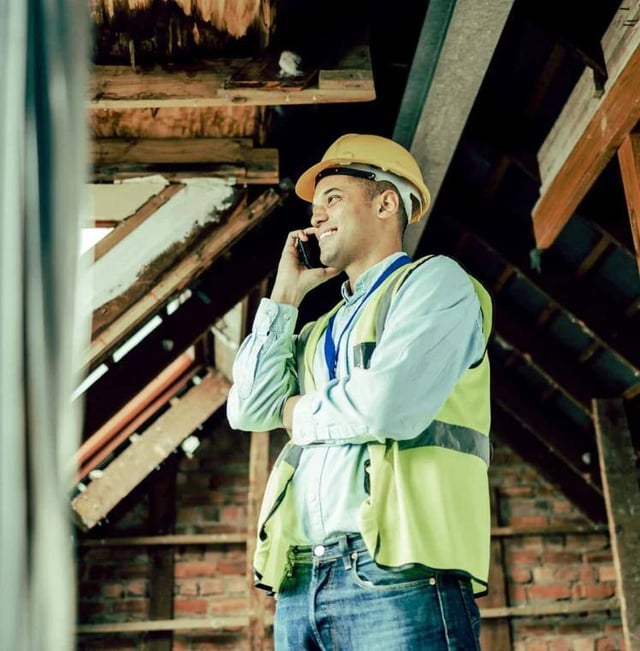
209, 580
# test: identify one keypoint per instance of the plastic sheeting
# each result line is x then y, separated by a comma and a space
43, 67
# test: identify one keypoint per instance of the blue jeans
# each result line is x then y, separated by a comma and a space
335, 598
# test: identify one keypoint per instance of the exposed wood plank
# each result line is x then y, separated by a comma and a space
240, 538
240, 622
112, 151
129, 225
258, 474
102, 443
622, 497
229, 623
187, 269
162, 510
354, 72
120, 87
474, 29
629, 159
170, 540
589, 130
549, 610
601, 248
495, 635
140, 459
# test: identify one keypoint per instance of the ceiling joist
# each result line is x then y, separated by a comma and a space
590, 129
629, 159
123, 87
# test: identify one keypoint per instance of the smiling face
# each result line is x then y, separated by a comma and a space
353, 230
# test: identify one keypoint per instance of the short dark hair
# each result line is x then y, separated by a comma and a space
374, 188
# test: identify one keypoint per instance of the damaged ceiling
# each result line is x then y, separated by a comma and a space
521, 114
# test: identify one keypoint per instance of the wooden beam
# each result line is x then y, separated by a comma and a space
495, 635
240, 622
162, 513
629, 159
154, 445
474, 28
622, 497
121, 87
258, 475
589, 130
183, 273
174, 540
141, 151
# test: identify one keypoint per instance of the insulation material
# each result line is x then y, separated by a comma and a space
114, 202
201, 202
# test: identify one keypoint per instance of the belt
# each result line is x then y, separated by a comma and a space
343, 547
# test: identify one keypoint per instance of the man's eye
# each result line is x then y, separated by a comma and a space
331, 198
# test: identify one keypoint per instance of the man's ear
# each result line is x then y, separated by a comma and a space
388, 204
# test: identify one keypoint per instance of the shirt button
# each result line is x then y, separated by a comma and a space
432, 581
318, 550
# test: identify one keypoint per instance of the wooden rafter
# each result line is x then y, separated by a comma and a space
121, 87
153, 446
589, 130
629, 158
622, 497
184, 272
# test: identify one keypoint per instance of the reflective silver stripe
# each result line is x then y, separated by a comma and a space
451, 437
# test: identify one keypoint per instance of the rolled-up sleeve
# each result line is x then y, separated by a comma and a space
264, 370
432, 334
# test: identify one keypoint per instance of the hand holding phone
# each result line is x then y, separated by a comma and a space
309, 252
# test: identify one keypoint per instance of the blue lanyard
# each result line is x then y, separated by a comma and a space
330, 347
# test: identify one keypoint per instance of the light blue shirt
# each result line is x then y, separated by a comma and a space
432, 334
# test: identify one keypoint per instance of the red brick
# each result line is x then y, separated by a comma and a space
517, 557
607, 573
190, 606
131, 606
531, 521
584, 644
186, 587
520, 575
229, 605
562, 558
549, 592
560, 645
197, 568
112, 590
137, 588
211, 586
594, 590
232, 566
535, 645
606, 644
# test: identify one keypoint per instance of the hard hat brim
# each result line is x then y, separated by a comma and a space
306, 185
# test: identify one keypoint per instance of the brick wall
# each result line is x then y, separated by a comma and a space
211, 497
549, 569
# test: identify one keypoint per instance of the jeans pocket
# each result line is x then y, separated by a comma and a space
370, 576
471, 608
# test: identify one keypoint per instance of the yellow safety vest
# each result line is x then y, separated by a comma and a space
428, 497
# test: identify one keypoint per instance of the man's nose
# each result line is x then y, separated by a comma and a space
318, 215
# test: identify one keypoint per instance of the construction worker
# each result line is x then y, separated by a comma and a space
374, 529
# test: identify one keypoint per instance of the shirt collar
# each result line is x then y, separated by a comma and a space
367, 278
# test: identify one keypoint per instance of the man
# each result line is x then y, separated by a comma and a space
374, 530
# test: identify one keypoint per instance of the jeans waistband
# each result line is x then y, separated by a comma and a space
343, 546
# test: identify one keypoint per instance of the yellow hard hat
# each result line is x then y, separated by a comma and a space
384, 158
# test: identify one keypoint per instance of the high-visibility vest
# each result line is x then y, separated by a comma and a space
428, 497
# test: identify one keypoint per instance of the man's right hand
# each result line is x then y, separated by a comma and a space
293, 279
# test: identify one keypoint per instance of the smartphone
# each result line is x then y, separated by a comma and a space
309, 252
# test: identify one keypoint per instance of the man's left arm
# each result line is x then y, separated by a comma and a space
432, 335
